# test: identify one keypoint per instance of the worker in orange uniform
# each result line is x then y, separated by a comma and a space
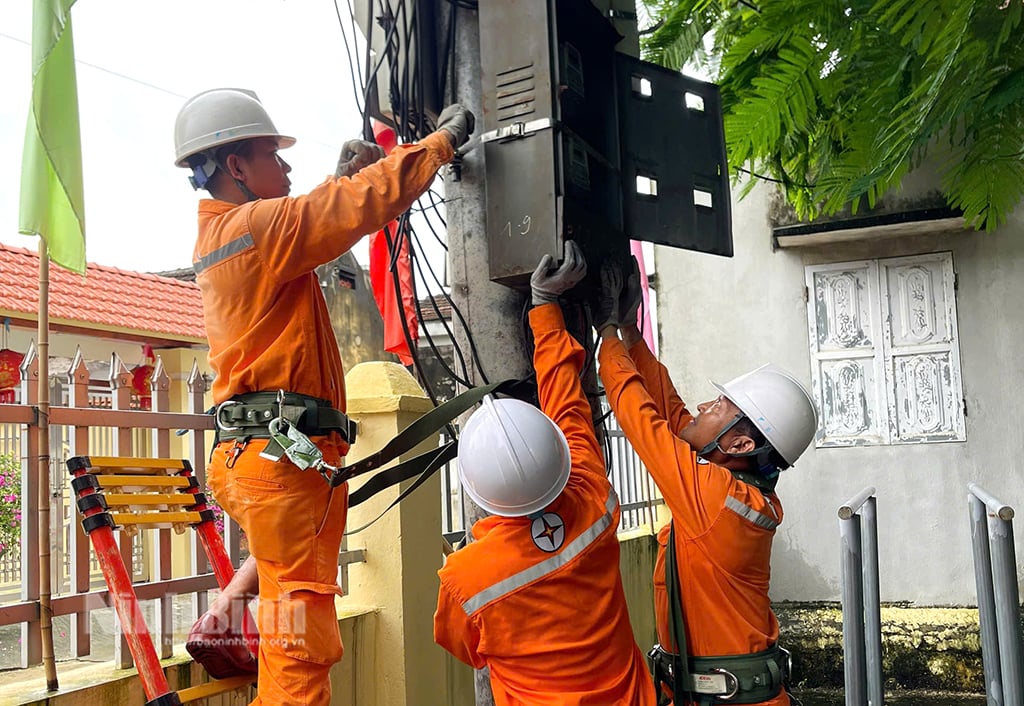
275, 356
717, 472
537, 596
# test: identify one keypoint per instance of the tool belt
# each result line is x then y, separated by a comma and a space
248, 416
733, 679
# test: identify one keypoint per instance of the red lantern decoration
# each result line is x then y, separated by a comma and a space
142, 378
10, 368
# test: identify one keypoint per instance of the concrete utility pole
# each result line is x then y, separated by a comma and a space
493, 311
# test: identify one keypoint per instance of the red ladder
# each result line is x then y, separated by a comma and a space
129, 494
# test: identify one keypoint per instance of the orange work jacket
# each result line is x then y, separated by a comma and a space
540, 601
724, 527
266, 318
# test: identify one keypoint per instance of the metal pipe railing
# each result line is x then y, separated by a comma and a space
862, 624
995, 575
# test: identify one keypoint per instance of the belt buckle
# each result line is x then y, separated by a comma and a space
216, 417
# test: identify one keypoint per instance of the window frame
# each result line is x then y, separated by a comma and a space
864, 336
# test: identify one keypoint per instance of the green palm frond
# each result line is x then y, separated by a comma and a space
779, 100
679, 38
839, 99
985, 177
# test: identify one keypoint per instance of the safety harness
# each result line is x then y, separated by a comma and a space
733, 679
288, 419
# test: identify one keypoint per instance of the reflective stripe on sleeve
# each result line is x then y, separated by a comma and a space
537, 571
223, 252
750, 513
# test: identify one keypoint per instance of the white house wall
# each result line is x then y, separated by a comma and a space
720, 317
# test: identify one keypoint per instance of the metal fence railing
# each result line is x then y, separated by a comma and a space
172, 594
862, 622
80, 426
638, 495
995, 574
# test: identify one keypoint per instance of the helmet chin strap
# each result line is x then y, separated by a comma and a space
763, 453
203, 171
246, 192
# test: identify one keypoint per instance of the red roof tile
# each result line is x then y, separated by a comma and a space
106, 295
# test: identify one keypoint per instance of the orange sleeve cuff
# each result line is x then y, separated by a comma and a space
440, 145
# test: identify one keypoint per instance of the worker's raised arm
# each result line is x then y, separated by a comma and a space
296, 234
655, 376
558, 359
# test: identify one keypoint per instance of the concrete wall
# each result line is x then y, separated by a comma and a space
721, 317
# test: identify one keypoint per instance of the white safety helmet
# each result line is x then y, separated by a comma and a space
219, 116
778, 404
513, 460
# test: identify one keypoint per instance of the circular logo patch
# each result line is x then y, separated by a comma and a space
548, 532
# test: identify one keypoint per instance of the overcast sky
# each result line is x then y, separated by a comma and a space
137, 64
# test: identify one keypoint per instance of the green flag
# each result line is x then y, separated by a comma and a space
52, 193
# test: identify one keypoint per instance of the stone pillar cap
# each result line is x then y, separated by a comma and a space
381, 386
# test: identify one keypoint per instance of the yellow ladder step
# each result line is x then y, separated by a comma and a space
121, 499
212, 688
152, 518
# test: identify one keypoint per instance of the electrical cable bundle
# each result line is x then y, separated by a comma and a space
403, 29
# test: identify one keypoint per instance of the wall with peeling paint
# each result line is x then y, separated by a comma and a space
720, 317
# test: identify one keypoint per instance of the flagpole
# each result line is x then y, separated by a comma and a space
43, 334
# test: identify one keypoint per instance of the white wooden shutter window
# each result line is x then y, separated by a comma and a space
922, 350
885, 357
843, 316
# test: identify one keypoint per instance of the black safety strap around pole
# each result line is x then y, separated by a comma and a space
425, 464
429, 462
425, 426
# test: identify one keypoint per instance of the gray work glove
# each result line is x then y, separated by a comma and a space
356, 154
457, 122
547, 286
607, 311
632, 296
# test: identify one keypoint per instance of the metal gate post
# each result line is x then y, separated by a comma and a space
986, 601
999, 573
862, 631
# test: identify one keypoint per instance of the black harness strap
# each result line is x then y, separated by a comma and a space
423, 427
427, 463
387, 478
676, 620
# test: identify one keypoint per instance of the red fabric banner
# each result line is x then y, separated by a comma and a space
383, 281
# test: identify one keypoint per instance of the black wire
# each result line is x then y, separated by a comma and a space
457, 313
451, 78
435, 204
407, 94
457, 352
448, 53
349, 56
762, 177
405, 328
426, 211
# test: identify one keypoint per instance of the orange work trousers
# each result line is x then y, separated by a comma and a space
294, 522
